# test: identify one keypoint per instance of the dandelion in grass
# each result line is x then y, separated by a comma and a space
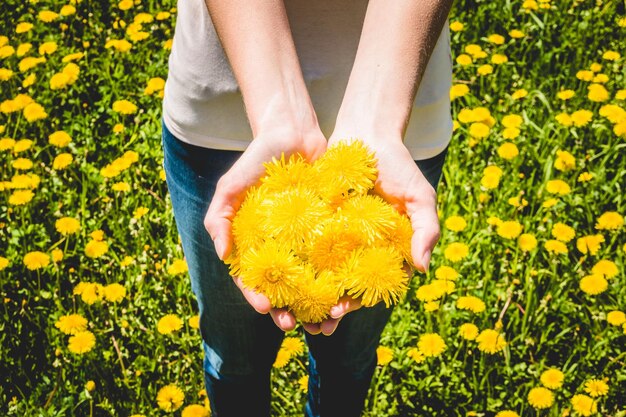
374, 274
67, 225
71, 323
334, 243
315, 297
371, 214
194, 321
455, 223
468, 331
616, 318
384, 355
282, 358
606, 268
81, 342
90, 292
540, 398
169, 324
556, 247
293, 345
471, 303
597, 387
62, 161
456, 251
4, 262
552, 378
445, 272
178, 267
509, 229
170, 398
429, 292
431, 345
593, 284
195, 410
292, 216
272, 269
491, 341
564, 161
416, 355
114, 293
584, 405
21, 197
563, 232
124, 107
507, 413
281, 174
527, 242
303, 383
558, 187
351, 163
610, 220
36, 260
96, 248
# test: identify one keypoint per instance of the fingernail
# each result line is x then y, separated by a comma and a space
335, 311
219, 248
426, 260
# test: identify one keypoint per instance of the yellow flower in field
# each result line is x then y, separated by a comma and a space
616, 318
620, 94
62, 161
512, 120
30, 62
507, 413
595, 67
456, 251
71, 323
464, 60
195, 410
564, 119
589, 244
508, 150
585, 75
566, 94
431, 345
127, 261
458, 90
563, 232
415, 354
23, 27
584, 405
73, 57
125, 4
194, 321
565, 161
179, 266
34, 112
6, 144
24, 48
4, 262
118, 128
5, 74
530, 5
114, 292
516, 34
606, 268
162, 15
491, 177
499, 59
139, 212
97, 235
479, 130
167, 45
471, 303
456, 223
154, 85
89, 292
552, 378
36, 260
59, 139
456, 26
282, 359
446, 273
90, 386
67, 225
20, 181
67, 10
120, 45
611, 56
22, 163
468, 331
596, 387
601, 79
384, 355
594, 284
293, 345
430, 292
124, 107
614, 113
303, 383
96, 249
169, 324
555, 246
585, 177
610, 220
170, 397
495, 38
517, 201
527, 242
48, 48
121, 186
57, 255
491, 341
559, 187
47, 16
485, 69
81, 342
509, 229
6, 51
581, 117
597, 93
21, 197
540, 398
22, 145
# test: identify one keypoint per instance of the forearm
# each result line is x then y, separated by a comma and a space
397, 40
257, 40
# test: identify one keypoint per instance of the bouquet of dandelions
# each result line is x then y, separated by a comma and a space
312, 233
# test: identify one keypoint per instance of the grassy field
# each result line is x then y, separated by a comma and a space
524, 305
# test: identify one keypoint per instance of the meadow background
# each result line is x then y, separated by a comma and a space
522, 312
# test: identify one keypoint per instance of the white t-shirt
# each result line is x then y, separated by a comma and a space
203, 106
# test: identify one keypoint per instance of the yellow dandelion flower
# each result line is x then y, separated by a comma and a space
611, 55
558, 187
124, 107
479, 130
194, 321
384, 355
177, 267
446, 273
36, 260
96, 248
491, 341
552, 378
62, 161
195, 410
274, 270
71, 323
565, 161
584, 405
81, 342
458, 90
293, 345
596, 387
430, 292
589, 244
597, 93
90, 385
509, 229
282, 358
371, 214
57, 255
606, 268
563, 232
376, 274
565, 94
456, 251
169, 324
468, 331
114, 292
508, 151
581, 117
455, 223
89, 292
616, 318
22, 164
527, 242
540, 398
456, 26
170, 397
21, 197
431, 345
507, 413
585, 177
593, 284
4, 262
59, 139
33, 112
332, 246
610, 220
303, 383
248, 228
471, 303
281, 175
555, 246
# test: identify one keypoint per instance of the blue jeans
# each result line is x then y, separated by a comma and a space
240, 345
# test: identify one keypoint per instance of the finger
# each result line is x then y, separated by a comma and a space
283, 319
329, 326
312, 328
218, 219
345, 305
425, 223
258, 301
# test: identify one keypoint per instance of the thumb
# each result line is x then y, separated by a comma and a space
425, 223
218, 220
